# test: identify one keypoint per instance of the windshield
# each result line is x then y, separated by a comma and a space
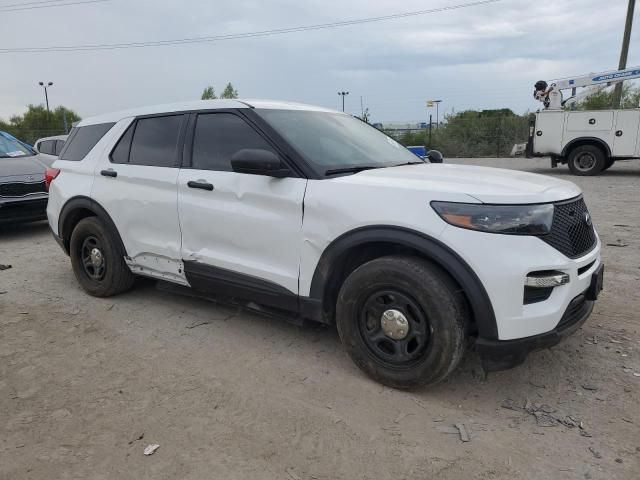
334, 141
10, 147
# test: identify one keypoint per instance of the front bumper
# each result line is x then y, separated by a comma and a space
502, 262
23, 209
503, 354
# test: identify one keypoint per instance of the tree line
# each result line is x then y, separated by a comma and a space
486, 133
209, 93
492, 133
37, 122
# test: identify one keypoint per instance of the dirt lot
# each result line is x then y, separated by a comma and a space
229, 394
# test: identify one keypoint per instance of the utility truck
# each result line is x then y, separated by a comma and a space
588, 141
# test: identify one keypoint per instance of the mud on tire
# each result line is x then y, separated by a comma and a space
98, 264
403, 321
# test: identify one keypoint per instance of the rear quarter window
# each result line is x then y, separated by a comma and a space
82, 140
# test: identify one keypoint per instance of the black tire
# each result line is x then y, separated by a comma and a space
587, 160
429, 301
104, 273
608, 164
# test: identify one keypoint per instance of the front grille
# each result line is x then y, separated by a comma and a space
572, 231
35, 209
20, 189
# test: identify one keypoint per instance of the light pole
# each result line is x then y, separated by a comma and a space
617, 92
46, 95
437, 102
343, 94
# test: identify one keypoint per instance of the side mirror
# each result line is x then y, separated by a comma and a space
259, 162
434, 156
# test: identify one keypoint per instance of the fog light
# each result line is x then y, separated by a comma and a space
546, 279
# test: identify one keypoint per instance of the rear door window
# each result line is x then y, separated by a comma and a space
82, 140
155, 142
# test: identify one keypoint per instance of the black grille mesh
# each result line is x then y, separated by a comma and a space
20, 189
571, 233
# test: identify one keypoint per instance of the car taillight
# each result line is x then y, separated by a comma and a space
49, 175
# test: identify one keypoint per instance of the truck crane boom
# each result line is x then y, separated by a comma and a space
550, 94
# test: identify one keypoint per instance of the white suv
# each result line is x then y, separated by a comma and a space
309, 213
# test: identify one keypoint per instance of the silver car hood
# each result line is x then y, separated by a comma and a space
22, 169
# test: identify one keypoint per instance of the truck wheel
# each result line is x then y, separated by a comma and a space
97, 264
609, 163
402, 321
586, 160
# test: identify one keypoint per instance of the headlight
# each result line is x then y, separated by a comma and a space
508, 219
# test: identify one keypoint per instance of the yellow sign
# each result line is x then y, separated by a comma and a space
429, 103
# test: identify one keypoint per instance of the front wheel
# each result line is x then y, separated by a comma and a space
402, 321
98, 265
587, 160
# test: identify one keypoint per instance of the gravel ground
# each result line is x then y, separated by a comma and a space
86, 384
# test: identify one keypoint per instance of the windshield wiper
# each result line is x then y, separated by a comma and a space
335, 171
417, 162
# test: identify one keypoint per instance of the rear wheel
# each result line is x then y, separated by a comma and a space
609, 163
98, 265
402, 321
586, 160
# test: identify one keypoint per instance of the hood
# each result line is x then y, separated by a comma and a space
485, 184
15, 169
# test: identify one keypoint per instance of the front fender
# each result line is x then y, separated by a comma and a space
428, 247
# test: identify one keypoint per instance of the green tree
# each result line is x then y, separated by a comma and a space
37, 122
603, 99
488, 133
209, 93
229, 92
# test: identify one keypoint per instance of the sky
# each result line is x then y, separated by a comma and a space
481, 57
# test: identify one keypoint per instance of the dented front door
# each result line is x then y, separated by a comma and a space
248, 225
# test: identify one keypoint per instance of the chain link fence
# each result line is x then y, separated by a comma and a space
468, 136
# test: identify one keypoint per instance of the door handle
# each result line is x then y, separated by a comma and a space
201, 184
109, 173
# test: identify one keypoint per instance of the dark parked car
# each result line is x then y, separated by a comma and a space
23, 193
